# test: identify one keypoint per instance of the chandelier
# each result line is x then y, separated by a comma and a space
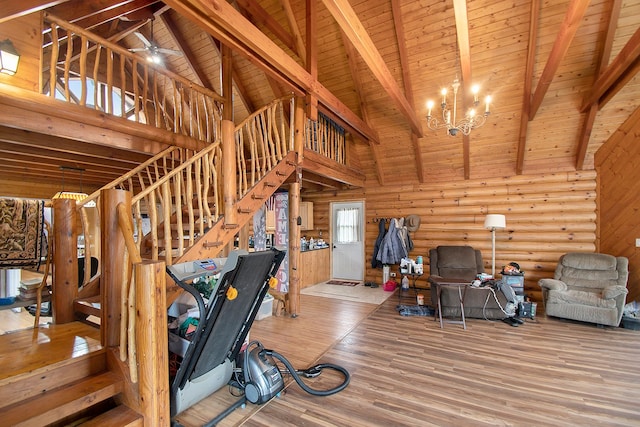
470, 121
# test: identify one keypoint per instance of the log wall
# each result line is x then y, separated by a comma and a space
547, 215
618, 167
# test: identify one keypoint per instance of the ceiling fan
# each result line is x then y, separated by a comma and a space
154, 51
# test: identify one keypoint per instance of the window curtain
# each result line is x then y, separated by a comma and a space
348, 225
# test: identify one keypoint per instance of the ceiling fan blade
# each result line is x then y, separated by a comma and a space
142, 38
169, 51
138, 49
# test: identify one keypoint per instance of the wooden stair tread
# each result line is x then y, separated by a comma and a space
63, 401
28, 350
120, 416
33, 383
86, 305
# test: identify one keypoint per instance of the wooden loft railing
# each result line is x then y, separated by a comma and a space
120, 83
327, 138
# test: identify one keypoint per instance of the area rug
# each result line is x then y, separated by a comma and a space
342, 282
21, 225
358, 293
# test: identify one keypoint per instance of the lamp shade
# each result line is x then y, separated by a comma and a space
493, 221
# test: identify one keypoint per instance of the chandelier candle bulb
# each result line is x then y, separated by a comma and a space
452, 120
429, 108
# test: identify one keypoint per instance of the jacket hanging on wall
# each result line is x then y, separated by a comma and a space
382, 230
392, 247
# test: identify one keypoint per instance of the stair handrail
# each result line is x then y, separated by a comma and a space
265, 148
205, 168
128, 351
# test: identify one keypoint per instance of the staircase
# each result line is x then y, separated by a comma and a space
41, 384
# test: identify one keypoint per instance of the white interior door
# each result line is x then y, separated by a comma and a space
347, 236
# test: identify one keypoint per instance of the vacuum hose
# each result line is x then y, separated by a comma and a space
313, 371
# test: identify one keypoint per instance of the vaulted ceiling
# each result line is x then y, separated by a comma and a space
562, 73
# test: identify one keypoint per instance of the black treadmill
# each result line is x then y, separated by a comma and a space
224, 323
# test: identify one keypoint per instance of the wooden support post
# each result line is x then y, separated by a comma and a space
294, 249
294, 212
229, 186
112, 250
152, 341
65, 260
243, 238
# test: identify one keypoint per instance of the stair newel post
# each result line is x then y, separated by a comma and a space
229, 172
65, 260
112, 250
152, 341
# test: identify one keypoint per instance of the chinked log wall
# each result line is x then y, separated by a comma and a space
547, 215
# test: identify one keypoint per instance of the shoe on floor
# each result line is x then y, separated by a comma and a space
510, 321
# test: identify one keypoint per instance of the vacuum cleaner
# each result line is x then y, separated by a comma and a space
261, 379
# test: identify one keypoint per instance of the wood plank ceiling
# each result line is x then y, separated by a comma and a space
562, 75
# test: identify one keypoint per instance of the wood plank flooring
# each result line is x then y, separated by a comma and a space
406, 371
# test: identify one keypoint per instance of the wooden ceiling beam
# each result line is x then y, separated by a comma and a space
398, 24
231, 28
609, 80
59, 148
89, 171
261, 16
358, 88
313, 178
14, 9
113, 14
347, 19
243, 93
568, 29
311, 59
605, 55
462, 36
534, 14
295, 31
322, 166
77, 10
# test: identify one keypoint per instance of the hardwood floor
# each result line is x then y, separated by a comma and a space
406, 371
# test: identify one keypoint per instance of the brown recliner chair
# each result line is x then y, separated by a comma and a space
463, 262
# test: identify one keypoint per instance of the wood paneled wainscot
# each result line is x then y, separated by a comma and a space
314, 266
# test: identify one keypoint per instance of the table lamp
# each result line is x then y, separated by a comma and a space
493, 222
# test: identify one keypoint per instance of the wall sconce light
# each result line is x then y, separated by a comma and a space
9, 58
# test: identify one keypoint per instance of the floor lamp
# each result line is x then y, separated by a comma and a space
493, 222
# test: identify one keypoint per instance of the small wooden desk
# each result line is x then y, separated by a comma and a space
461, 285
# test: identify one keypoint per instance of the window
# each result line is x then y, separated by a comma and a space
348, 225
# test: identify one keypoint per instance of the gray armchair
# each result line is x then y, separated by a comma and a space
589, 287
462, 262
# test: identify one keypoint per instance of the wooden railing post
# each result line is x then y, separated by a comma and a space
229, 186
152, 341
65, 260
112, 250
